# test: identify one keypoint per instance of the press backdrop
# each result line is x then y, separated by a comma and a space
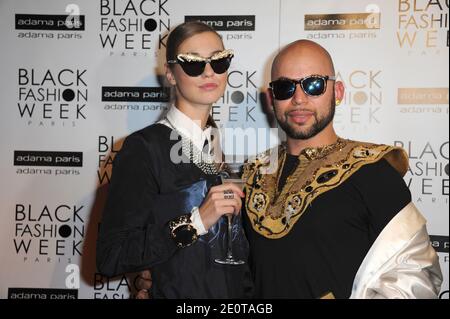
78, 76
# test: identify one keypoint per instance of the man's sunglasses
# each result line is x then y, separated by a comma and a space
313, 85
194, 65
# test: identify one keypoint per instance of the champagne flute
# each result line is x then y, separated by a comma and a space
231, 176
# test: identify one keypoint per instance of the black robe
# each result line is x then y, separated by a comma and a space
324, 249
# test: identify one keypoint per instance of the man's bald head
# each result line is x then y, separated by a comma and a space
303, 55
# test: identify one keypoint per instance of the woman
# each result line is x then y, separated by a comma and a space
164, 209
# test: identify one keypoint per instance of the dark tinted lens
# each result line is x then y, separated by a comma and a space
193, 68
313, 86
283, 89
221, 65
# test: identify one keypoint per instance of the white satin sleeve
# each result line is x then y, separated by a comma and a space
197, 222
401, 262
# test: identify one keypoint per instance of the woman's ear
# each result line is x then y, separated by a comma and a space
169, 75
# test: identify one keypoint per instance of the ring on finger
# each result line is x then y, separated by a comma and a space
228, 194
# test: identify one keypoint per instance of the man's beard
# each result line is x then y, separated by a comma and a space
317, 127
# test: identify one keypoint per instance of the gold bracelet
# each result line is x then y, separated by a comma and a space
182, 231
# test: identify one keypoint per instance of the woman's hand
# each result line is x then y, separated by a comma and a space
221, 200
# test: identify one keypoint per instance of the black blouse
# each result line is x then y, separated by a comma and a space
325, 248
147, 190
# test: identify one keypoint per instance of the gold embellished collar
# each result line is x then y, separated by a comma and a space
273, 214
313, 153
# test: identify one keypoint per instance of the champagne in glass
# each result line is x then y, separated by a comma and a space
231, 175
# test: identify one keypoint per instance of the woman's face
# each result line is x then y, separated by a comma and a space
207, 88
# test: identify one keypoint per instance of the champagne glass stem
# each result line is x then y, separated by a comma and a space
230, 237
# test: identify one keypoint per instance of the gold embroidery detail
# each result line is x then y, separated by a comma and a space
273, 213
328, 295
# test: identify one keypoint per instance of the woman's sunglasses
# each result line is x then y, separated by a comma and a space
313, 85
194, 65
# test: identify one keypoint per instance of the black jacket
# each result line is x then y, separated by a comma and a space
147, 190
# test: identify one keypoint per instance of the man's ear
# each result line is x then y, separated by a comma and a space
269, 106
269, 98
169, 75
339, 90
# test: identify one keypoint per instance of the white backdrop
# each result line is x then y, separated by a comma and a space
70, 94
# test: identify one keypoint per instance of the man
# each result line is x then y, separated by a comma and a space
335, 220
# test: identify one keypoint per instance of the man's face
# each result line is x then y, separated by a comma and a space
303, 116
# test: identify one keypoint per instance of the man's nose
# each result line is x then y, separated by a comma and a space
299, 96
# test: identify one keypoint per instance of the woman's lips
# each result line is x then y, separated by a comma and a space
209, 86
